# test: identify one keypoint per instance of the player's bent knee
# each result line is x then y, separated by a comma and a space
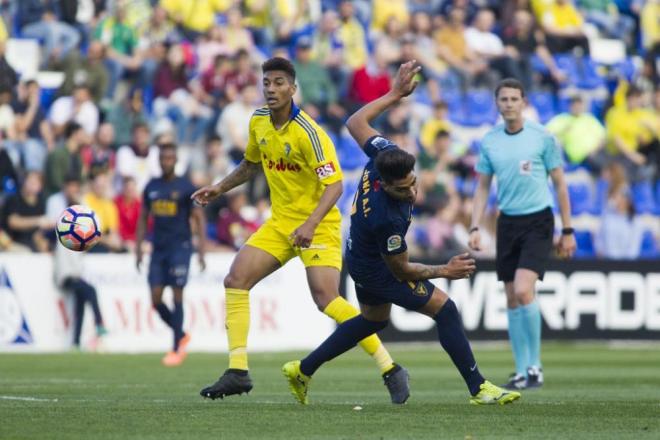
323, 297
235, 281
438, 299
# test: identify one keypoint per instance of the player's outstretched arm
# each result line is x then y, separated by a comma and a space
359, 124
245, 171
459, 266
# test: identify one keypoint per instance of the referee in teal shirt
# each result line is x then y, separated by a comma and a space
521, 155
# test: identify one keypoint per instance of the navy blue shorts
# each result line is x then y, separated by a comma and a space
169, 267
380, 287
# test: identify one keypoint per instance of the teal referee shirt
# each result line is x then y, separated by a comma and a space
521, 163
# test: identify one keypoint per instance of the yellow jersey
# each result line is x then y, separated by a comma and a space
198, 15
299, 160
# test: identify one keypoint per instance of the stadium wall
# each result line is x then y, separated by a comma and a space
579, 300
36, 317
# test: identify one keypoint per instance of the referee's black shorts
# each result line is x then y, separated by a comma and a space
524, 241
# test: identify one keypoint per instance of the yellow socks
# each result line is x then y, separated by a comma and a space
341, 310
238, 324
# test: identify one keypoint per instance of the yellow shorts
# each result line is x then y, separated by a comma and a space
325, 250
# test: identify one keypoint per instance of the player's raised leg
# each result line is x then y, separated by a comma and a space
324, 286
346, 336
250, 266
452, 337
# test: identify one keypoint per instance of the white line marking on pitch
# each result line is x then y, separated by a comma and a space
27, 399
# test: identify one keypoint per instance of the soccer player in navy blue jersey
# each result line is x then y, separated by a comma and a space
377, 258
522, 155
167, 200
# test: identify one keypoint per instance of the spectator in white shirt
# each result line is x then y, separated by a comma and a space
78, 107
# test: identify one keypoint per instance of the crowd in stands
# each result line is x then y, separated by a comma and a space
132, 74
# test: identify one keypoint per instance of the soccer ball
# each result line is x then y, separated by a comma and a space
78, 228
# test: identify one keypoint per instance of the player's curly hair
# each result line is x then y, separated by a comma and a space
394, 164
278, 63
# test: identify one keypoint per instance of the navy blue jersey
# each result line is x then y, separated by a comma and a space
168, 201
378, 222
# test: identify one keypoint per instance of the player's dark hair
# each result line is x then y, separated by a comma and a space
510, 83
71, 128
282, 64
139, 126
394, 164
167, 146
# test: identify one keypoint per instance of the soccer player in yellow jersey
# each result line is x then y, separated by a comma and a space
305, 181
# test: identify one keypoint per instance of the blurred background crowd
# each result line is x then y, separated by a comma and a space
89, 88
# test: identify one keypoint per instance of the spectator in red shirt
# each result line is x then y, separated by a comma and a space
128, 204
232, 228
369, 82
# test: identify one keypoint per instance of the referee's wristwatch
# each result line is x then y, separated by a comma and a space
567, 231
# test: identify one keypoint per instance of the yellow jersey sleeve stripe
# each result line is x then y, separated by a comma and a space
313, 136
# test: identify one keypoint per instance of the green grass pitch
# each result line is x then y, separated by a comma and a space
592, 392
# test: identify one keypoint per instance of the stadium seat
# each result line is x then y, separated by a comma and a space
350, 155
657, 195
544, 103
588, 77
642, 198
480, 108
538, 65
585, 245
600, 197
566, 64
453, 99
581, 198
649, 248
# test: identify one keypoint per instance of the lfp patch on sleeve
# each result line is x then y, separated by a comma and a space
393, 243
380, 143
326, 170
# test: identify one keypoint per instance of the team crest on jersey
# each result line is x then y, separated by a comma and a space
526, 167
380, 143
393, 243
287, 149
421, 289
326, 170
263, 142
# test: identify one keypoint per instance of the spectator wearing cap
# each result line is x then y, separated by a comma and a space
65, 159
319, 93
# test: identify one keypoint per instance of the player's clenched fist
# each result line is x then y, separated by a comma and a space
204, 195
460, 266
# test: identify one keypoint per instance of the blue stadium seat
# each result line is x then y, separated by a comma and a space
47, 97
480, 108
544, 103
581, 198
649, 248
600, 197
538, 65
657, 195
626, 69
566, 64
642, 198
585, 245
588, 75
453, 99
350, 155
